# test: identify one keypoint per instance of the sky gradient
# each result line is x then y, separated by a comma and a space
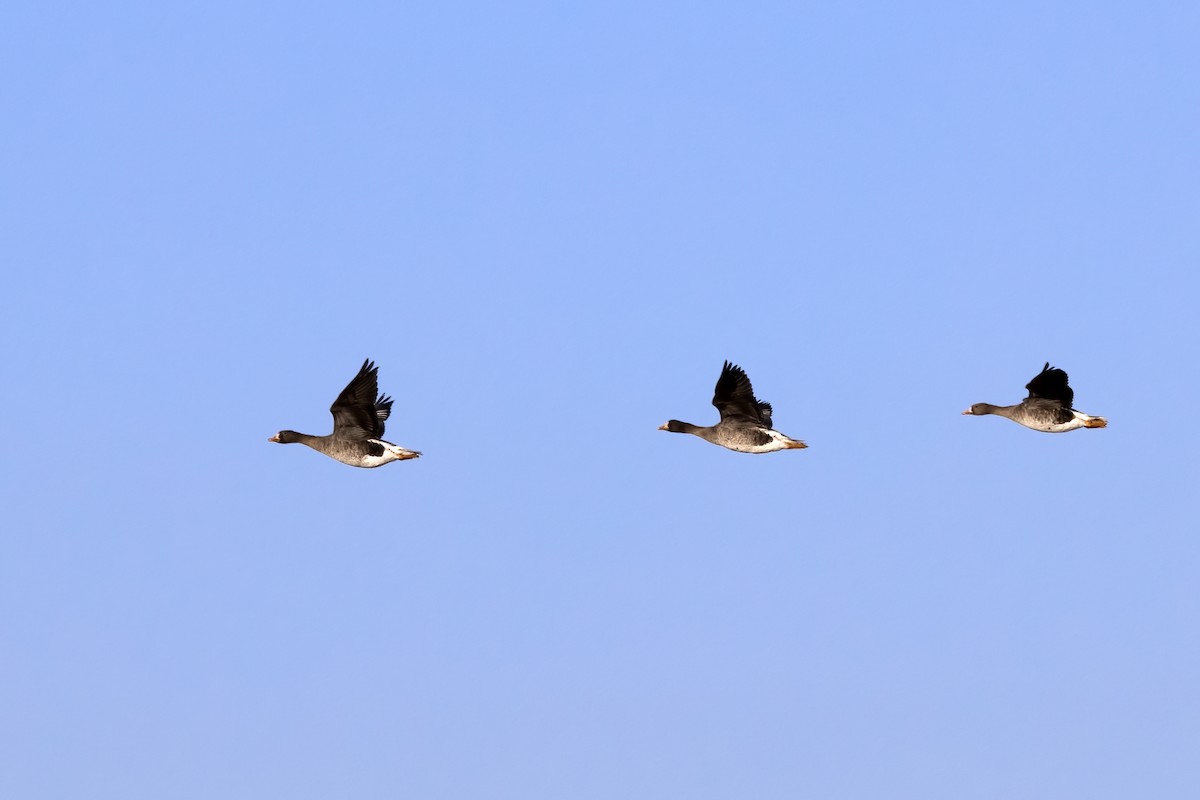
549, 224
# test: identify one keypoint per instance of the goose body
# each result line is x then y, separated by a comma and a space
358, 416
1047, 408
745, 425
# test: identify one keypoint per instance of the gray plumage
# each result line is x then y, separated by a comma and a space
745, 424
1048, 408
359, 413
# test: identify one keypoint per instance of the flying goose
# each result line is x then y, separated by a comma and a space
745, 425
1047, 408
358, 416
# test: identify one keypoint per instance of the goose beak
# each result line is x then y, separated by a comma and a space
662, 427
969, 411
274, 438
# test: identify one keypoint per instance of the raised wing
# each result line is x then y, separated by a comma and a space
1051, 384
359, 411
734, 397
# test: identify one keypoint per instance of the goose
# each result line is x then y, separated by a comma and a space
358, 416
745, 425
1047, 408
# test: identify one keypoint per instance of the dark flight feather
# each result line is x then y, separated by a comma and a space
734, 397
359, 411
1051, 384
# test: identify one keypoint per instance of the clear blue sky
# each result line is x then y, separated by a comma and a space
550, 223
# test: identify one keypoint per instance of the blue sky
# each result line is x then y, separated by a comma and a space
550, 224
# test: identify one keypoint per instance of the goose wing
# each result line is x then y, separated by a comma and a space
1051, 384
735, 400
359, 411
